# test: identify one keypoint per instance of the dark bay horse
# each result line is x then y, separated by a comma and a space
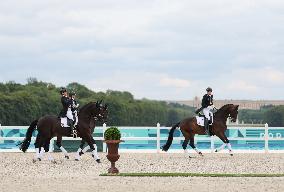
50, 126
190, 128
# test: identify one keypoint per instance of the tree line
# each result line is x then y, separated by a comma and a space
20, 104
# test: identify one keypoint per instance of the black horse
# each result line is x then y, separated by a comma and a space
50, 126
190, 128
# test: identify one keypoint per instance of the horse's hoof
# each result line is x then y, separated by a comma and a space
39, 159
93, 156
81, 153
232, 155
66, 157
98, 161
200, 154
216, 151
189, 157
77, 160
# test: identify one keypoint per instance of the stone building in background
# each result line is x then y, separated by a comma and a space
244, 104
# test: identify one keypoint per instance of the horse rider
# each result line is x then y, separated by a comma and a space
74, 107
207, 107
66, 111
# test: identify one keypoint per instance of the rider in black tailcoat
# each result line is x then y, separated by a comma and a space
66, 110
65, 101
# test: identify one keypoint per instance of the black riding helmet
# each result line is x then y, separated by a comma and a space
209, 89
63, 90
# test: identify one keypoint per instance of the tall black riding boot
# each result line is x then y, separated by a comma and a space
206, 125
73, 129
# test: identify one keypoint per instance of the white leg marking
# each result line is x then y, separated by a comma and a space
50, 158
78, 157
64, 151
95, 152
197, 151
37, 153
41, 152
222, 147
229, 147
86, 149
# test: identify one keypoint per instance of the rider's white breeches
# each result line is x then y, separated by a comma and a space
70, 115
207, 112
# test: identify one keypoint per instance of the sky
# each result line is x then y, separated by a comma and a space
156, 49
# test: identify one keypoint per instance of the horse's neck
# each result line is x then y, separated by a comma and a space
222, 114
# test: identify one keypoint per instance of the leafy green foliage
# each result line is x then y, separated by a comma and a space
112, 133
273, 115
21, 104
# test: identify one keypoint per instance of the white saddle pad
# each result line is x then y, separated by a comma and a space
200, 121
64, 122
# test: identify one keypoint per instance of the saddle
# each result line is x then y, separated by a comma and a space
65, 122
200, 119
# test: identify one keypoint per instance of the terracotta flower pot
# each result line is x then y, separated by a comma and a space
113, 155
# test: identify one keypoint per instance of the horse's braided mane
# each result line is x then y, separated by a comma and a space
221, 110
86, 106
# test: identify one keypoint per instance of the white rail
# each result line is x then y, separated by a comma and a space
265, 136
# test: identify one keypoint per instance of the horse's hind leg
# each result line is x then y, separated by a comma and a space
37, 147
59, 145
46, 148
193, 146
184, 146
185, 142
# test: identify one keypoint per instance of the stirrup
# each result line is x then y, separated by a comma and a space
74, 133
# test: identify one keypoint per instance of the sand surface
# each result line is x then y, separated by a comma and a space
19, 173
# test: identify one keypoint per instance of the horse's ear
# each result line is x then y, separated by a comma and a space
97, 103
237, 107
100, 101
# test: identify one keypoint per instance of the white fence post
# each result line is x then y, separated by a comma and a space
104, 144
158, 137
266, 137
212, 144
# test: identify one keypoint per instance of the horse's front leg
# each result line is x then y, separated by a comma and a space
92, 144
81, 150
59, 145
226, 143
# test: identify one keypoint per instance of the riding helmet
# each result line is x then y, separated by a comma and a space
63, 90
209, 89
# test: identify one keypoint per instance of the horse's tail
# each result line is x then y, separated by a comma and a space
26, 143
170, 138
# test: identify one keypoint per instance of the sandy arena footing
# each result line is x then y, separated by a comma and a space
19, 173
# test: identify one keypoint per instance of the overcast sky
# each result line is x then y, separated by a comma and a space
156, 49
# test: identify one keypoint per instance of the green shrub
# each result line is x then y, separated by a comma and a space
112, 133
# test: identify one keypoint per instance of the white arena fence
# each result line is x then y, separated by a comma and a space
266, 137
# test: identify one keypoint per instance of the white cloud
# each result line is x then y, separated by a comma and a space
153, 48
174, 82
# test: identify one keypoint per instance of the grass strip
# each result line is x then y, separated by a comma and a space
191, 175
